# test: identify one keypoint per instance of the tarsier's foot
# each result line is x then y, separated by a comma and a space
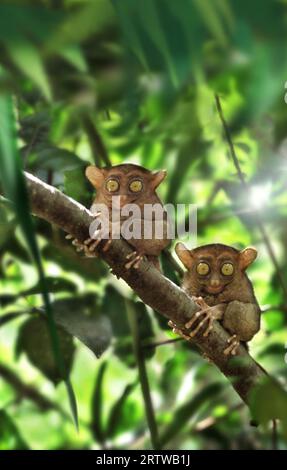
90, 245
135, 259
233, 343
177, 330
209, 315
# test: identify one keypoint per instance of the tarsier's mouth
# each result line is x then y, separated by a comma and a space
214, 290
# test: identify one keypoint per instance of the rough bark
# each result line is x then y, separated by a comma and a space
150, 285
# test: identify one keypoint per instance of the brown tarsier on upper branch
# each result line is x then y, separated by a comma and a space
217, 282
132, 184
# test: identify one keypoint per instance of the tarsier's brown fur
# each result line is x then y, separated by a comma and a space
231, 297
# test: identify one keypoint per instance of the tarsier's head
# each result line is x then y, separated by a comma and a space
133, 183
214, 266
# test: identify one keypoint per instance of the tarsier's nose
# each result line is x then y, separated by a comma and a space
215, 282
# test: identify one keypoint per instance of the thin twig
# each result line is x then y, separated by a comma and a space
246, 186
98, 148
160, 343
210, 421
27, 391
150, 415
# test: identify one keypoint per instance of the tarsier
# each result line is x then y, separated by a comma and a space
217, 282
132, 184
215, 277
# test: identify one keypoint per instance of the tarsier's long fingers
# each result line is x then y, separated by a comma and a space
107, 245
233, 346
79, 246
207, 318
209, 328
89, 246
200, 302
195, 318
135, 260
92, 247
131, 255
177, 331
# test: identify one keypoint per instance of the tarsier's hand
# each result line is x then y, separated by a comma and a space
208, 313
90, 245
233, 344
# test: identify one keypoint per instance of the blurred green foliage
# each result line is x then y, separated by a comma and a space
98, 81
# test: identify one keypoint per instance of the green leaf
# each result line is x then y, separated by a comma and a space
90, 18
29, 61
183, 414
212, 19
14, 186
75, 184
116, 416
78, 316
74, 55
50, 157
34, 341
114, 307
10, 437
268, 401
69, 260
97, 426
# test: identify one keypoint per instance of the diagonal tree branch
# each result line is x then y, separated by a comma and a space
149, 284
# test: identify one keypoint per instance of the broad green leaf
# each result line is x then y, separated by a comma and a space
28, 59
79, 317
34, 341
268, 401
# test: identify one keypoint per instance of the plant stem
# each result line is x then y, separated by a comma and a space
98, 148
150, 416
274, 435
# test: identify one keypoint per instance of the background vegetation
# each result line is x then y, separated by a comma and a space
122, 81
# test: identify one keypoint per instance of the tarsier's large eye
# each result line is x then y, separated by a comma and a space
202, 269
112, 185
227, 269
136, 186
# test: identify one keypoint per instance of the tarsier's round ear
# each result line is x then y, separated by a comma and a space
95, 175
157, 178
246, 257
184, 255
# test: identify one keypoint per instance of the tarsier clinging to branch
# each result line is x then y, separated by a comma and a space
128, 184
217, 282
